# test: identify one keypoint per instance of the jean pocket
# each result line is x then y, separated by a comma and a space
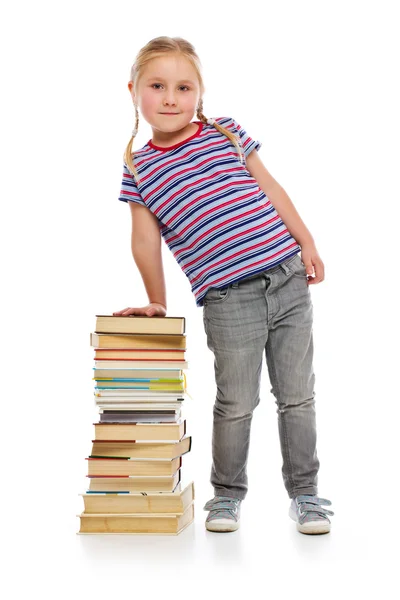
217, 295
297, 267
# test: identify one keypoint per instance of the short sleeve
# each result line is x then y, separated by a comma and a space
129, 191
247, 142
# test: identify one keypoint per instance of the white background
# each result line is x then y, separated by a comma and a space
317, 83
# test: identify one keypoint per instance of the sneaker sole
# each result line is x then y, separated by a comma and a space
221, 527
312, 527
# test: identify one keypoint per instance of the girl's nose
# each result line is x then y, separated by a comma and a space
169, 98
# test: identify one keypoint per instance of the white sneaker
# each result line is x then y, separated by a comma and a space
310, 517
224, 513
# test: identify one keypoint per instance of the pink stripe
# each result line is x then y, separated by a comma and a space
246, 268
231, 220
126, 193
240, 252
207, 195
230, 202
180, 158
238, 236
183, 172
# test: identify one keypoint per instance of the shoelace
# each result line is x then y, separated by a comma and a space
310, 509
222, 507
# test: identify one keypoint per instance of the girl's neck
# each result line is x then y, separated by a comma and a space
174, 137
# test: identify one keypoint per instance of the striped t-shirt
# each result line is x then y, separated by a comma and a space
217, 222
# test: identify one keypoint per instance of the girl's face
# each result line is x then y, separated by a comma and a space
168, 84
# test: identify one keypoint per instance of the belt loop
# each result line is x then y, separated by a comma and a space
235, 284
285, 268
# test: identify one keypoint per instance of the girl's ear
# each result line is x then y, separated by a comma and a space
130, 88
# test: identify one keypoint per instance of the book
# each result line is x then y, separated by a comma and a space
133, 466
140, 380
140, 324
121, 408
140, 431
145, 407
121, 354
141, 395
138, 341
135, 502
125, 371
156, 523
177, 489
128, 413
136, 363
133, 483
120, 418
158, 450
136, 417
132, 385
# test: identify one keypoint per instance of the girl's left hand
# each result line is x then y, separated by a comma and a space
313, 264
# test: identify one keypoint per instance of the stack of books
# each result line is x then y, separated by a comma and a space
134, 469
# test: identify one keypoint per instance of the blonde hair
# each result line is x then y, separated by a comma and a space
153, 49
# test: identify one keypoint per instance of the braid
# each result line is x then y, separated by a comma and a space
128, 151
233, 138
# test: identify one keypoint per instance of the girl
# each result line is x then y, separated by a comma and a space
236, 235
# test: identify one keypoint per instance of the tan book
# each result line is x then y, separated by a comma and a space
140, 431
138, 341
152, 523
140, 324
133, 362
141, 449
126, 365
133, 466
133, 483
125, 354
125, 370
167, 502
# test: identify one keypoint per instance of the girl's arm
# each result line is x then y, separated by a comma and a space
147, 254
289, 215
279, 198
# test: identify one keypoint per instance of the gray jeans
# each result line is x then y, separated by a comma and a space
271, 310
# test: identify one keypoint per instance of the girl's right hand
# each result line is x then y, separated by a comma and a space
151, 310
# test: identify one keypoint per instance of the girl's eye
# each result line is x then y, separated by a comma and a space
182, 86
